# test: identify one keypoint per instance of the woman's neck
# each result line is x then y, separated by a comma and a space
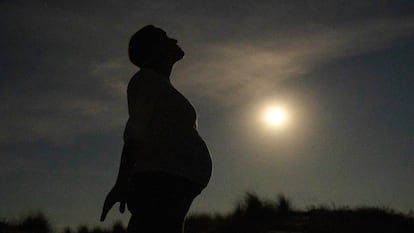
163, 69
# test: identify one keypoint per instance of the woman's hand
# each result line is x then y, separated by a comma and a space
117, 194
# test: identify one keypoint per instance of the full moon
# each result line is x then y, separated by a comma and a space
275, 116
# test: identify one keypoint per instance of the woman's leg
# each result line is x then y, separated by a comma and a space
159, 202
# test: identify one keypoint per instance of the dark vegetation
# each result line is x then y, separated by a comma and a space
255, 215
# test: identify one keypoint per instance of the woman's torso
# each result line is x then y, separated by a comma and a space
174, 145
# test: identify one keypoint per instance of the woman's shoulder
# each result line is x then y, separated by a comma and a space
148, 76
147, 81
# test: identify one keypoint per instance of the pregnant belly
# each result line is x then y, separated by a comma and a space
184, 155
195, 159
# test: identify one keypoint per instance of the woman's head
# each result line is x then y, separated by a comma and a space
150, 46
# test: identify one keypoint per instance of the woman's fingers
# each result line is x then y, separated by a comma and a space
114, 196
122, 207
105, 212
109, 202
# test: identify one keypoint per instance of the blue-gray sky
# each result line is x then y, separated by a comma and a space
343, 69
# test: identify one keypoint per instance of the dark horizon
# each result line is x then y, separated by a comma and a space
252, 214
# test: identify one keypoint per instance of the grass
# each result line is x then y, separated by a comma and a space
256, 215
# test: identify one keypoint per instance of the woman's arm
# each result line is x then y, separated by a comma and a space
142, 100
119, 192
125, 168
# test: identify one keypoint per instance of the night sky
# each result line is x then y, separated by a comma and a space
342, 70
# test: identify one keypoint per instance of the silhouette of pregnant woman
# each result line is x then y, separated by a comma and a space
165, 164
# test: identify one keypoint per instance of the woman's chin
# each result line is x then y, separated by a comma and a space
180, 54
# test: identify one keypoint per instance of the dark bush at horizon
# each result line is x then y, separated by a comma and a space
256, 215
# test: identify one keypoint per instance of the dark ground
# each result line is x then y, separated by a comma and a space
255, 215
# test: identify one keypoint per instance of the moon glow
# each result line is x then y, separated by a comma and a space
275, 117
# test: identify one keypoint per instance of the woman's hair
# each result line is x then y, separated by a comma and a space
144, 46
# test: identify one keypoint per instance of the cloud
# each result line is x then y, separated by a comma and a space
65, 69
55, 81
233, 72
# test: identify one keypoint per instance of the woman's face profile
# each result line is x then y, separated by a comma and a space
169, 46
